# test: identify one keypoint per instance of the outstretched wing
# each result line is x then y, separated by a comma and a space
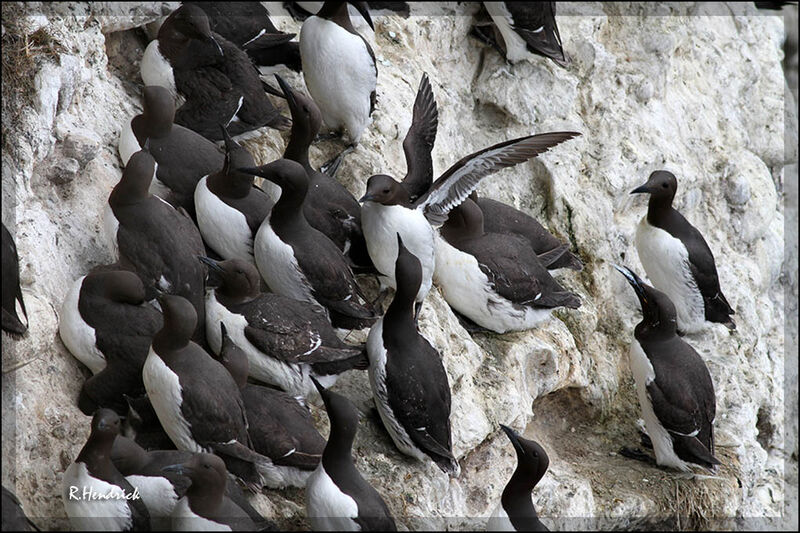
419, 141
462, 178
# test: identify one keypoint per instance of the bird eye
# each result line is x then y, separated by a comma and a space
207, 466
385, 191
664, 185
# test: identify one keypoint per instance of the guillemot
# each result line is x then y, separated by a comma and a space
107, 325
154, 239
677, 258
515, 512
339, 68
676, 393
387, 209
408, 381
496, 280
286, 340
96, 496
280, 427
218, 81
338, 498
13, 303
183, 156
195, 397
299, 261
230, 207
520, 29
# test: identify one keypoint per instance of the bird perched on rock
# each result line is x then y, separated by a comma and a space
300, 262
494, 279
329, 207
248, 26
13, 303
217, 80
230, 207
205, 507
409, 383
339, 68
93, 475
388, 210
515, 512
676, 393
519, 29
153, 239
183, 156
281, 427
286, 340
194, 396
338, 498
677, 259
106, 323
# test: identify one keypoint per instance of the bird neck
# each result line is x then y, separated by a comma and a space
299, 142
205, 497
658, 208
517, 494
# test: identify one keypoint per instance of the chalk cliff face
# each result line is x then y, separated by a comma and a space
694, 89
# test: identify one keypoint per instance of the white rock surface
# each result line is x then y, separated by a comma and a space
700, 92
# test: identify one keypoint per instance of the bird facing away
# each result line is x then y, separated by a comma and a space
409, 383
677, 258
338, 498
515, 512
675, 390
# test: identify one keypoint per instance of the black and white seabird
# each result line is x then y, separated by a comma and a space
286, 340
13, 303
329, 207
388, 210
409, 383
675, 390
183, 156
248, 26
515, 511
205, 507
494, 279
677, 259
230, 207
501, 218
141, 424
218, 80
106, 323
281, 427
339, 68
338, 498
299, 261
150, 237
14, 518
93, 476
195, 397
302, 10
519, 29
160, 490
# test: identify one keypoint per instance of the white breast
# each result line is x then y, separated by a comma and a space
164, 390
643, 375
128, 144
327, 507
156, 70
157, 493
78, 336
87, 514
291, 378
339, 73
224, 228
666, 261
276, 263
516, 48
184, 519
467, 289
381, 224
499, 520
377, 380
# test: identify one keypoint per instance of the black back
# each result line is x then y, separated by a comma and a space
11, 289
531, 16
14, 518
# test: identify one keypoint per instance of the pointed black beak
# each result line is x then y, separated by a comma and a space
288, 92
254, 171
212, 264
636, 283
177, 469
223, 330
400, 245
641, 189
319, 387
363, 8
366, 198
229, 142
513, 436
